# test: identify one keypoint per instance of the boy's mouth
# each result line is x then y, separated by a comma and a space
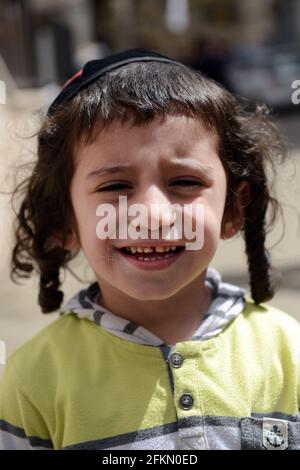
152, 253
152, 258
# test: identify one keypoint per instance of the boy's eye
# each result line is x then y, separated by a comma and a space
114, 187
187, 182
120, 186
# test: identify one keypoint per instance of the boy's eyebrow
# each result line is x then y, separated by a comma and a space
112, 169
176, 163
193, 165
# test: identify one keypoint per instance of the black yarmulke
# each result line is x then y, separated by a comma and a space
95, 68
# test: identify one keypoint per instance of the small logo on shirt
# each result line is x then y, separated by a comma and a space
275, 434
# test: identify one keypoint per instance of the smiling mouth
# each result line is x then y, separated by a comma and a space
151, 254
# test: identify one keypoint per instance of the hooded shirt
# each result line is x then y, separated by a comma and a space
93, 380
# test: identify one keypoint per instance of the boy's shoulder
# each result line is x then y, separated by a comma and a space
49, 346
54, 332
267, 318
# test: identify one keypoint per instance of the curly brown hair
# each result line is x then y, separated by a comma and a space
249, 145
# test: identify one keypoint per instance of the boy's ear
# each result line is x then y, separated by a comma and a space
237, 213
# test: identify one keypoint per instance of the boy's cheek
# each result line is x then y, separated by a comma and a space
95, 247
211, 231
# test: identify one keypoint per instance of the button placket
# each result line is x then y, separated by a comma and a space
187, 402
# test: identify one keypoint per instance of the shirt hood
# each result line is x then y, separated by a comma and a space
228, 300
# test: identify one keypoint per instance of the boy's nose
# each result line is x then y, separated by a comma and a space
158, 208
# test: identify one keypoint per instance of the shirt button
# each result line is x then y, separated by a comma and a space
176, 359
186, 401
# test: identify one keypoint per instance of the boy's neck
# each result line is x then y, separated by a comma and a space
172, 320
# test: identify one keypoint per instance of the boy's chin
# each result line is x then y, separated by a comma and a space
151, 293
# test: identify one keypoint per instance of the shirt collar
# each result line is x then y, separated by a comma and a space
228, 301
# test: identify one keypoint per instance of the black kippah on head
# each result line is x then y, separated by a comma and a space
94, 69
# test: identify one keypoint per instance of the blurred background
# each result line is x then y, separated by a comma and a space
252, 47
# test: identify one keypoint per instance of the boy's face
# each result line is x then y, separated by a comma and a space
164, 162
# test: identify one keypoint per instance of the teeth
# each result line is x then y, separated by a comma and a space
161, 249
157, 249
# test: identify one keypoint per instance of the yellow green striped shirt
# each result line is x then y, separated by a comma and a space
76, 385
